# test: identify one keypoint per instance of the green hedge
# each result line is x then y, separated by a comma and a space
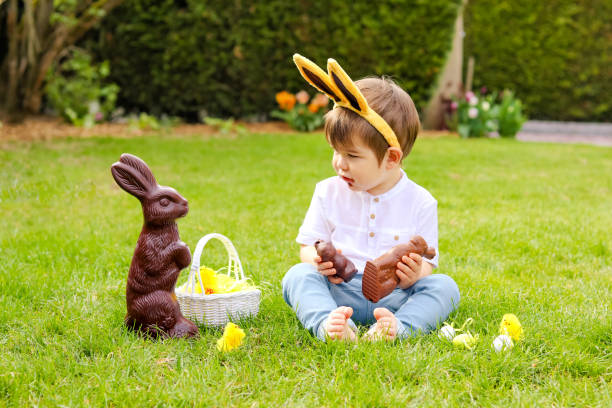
556, 54
229, 58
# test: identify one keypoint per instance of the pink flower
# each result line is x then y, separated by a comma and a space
469, 95
99, 116
454, 105
302, 97
473, 113
320, 100
483, 90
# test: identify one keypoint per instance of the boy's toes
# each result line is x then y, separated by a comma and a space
385, 327
337, 327
381, 312
345, 310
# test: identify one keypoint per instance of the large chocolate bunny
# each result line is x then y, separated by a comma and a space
379, 278
159, 257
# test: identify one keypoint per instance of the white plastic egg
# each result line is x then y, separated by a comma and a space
502, 342
447, 333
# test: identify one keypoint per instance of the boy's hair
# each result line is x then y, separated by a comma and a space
389, 101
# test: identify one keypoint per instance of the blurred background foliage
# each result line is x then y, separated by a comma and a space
556, 55
203, 58
229, 58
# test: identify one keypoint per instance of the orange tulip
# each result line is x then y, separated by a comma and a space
286, 101
313, 107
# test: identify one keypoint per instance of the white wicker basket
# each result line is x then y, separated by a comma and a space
217, 309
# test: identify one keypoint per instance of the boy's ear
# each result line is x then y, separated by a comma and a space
394, 157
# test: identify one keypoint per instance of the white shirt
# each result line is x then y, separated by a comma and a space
365, 226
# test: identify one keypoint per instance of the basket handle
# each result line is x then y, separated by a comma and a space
234, 265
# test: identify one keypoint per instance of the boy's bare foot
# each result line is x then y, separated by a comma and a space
337, 327
385, 327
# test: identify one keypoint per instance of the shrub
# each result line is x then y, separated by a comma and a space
76, 90
556, 55
226, 126
144, 121
510, 116
228, 59
473, 116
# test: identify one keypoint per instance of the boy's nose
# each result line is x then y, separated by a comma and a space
342, 163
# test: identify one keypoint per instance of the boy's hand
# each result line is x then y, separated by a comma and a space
410, 270
327, 269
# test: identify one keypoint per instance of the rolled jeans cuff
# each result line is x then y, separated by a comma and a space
402, 332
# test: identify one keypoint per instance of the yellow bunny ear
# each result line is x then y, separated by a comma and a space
316, 77
339, 87
345, 84
353, 99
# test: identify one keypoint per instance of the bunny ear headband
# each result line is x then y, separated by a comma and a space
339, 87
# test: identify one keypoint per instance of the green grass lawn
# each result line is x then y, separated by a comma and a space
524, 229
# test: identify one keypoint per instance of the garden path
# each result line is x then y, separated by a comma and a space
566, 132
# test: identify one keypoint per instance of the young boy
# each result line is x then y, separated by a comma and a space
368, 208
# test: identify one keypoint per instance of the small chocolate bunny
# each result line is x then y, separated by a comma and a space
345, 269
159, 256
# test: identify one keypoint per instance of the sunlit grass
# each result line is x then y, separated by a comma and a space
524, 229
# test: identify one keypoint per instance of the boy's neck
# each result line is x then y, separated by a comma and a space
391, 179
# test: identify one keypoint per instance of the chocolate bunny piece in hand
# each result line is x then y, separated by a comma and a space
379, 277
345, 269
159, 256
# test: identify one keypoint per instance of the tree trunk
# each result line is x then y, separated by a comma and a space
34, 45
34, 87
11, 101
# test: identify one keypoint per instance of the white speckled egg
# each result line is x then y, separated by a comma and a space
502, 342
447, 333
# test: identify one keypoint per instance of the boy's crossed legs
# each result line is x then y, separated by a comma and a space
403, 313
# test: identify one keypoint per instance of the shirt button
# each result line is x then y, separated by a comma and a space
396, 237
372, 216
371, 234
376, 200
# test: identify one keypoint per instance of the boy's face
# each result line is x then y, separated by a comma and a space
358, 166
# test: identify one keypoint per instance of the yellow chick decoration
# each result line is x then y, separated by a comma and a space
215, 283
231, 339
511, 326
209, 280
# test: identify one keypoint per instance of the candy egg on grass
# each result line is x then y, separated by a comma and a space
447, 332
465, 340
502, 342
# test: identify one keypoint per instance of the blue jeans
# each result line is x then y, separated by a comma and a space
418, 309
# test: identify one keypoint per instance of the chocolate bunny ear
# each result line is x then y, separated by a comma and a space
138, 164
133, 175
